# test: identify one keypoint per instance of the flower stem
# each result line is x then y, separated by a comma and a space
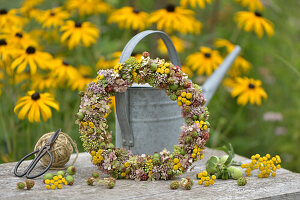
233, 121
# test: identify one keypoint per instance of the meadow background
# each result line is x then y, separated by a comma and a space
275, 60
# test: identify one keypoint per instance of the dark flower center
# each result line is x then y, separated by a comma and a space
3, 12
65, 63
136, 11
30, 50
251, 86
258, 14
170, 8
78, 24
52, 14
19, 35
207, 55
3, 42
35, 96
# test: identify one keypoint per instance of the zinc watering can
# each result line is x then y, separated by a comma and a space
147, 120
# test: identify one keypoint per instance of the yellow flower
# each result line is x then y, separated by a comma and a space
9, 19
129, 18
76, 32
32, 57
42, 82
178, 43
63, 71
194, 3
254, 22
53, 18
248, 90
88, 7
219, 43
5, 50
81, 78
104, 64
18, 38
174, 18
187, 70
204, 61
34, 104
253, 5
28, 6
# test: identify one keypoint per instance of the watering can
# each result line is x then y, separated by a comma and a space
147, 120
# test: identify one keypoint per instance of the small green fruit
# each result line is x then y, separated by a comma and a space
188, 139
174, 185
62, 173
242, 181
111, 146
173, 97
21, 185
194, 134
111, 185
195, 117
90, 181
174, 87
71, 170
95, 174
29, 184
235, 172
153, 67
48, 176
70, 180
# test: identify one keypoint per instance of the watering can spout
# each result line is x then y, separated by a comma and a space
211, 84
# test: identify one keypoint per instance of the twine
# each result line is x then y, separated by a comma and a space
61, 150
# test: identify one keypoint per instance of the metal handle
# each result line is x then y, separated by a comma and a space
122, 100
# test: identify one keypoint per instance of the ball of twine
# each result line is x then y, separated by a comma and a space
61, 150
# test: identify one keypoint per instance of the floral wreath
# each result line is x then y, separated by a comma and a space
121, 163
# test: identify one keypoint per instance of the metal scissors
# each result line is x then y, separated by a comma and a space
39, 154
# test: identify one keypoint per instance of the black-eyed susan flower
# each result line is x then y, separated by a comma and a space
248, 90
254, 22
104, 64
5, 50
178, 43
32, 57
9, 18
42, 82
88, 7
129, 18
187, 70
17, 38
253, 5
205, 61
219, 43
82, 78
62, 71
53, 17
173, 18
30, 4
194, 3
76, 32
35, 104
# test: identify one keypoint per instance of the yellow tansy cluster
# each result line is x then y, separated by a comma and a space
56, 182
206, 179
184, 98
177, 165
197, 152
134, 75
127, 170
97, 157
90, 124
202, 124
163, 68
118, 68
266, 165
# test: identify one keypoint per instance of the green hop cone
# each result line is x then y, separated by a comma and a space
173, 97
174, 87
71, 170
90, 181
235, 172
70, 180
62, 173
21, 185
153, 67
48, 176
111, 184
95, 174
174, 185
242, 181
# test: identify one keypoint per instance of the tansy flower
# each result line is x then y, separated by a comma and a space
32, 57
63, 71
194, 3
53, 18
35, 104
254, 21
178, 43
18, 38
129, 18
248, 90
174, 18
81, 78
76, 32
42, 82
253, 5
88, 7
204, 61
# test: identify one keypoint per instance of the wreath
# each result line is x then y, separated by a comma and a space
121, 163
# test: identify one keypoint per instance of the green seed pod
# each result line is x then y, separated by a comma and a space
174, 185
235, 172
21, 185
111, 146
90, 181
153, 67
183, 152
95, 174
174, 87
70, 180
188, 139
188, 186
29, 184
195, 117
62, 173
71, 170
173, 97
242, 181
194, 134
111, 184
48, 176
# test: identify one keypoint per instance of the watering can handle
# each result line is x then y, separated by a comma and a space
122, 101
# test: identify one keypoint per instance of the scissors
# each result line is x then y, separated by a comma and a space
39, 154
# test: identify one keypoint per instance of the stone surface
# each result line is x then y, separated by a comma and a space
286, 185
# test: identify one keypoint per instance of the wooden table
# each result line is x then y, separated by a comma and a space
286, 185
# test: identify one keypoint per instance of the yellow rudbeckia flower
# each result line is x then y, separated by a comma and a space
5, 50
88, 7
35, 104
187, 70
178, 43
173, 18
129, 18
253, 5
205, 61
194, 3
254, 22
81, 78
18, 38
31, 57
76, 32
42, 82
9, 19
53, 18
248, 90
104, 64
